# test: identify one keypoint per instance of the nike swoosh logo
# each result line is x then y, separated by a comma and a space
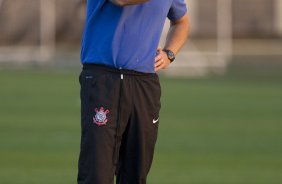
155, 121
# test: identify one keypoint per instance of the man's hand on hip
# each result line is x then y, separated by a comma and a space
176, 38
161, 60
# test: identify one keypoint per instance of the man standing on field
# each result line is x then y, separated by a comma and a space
120, 90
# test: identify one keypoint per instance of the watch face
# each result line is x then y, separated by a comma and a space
170, 55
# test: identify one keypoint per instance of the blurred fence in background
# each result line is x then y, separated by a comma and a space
41, 31
32, 29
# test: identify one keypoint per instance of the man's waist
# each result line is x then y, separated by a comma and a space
101, 67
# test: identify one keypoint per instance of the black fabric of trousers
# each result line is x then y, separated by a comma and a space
119, 123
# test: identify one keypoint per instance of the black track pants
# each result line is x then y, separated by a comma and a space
119, 122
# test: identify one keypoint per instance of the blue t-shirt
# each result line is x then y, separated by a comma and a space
126, 37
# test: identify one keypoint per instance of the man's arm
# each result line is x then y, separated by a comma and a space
128, 2
176, 38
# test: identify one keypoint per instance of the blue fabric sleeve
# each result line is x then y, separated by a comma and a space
177, 10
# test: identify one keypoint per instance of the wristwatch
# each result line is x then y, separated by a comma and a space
170, 55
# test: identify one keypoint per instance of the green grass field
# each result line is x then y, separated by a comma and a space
212, 131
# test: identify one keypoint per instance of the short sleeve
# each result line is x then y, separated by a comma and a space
177, 10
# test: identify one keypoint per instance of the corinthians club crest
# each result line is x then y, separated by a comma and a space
100, 117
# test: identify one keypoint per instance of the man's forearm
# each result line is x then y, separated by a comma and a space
177, 35
128, 2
